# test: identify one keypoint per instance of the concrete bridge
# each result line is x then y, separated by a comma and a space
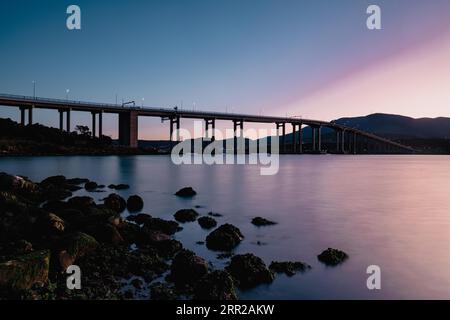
347, 140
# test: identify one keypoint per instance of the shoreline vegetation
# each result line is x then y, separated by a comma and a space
45, 228
39, 140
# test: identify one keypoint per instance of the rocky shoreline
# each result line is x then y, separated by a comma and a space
44, 229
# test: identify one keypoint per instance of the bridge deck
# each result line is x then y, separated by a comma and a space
61, 104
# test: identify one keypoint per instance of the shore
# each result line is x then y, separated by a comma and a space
44, 229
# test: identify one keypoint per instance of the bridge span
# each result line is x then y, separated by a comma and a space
347, 139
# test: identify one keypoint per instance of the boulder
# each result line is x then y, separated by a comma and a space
121, 186
249, 271
288, 267
77, 246
115, 202
140, 218
91, 185
258, 221
166, 226
187, 268
106, 233
135, 203
50, 223
207, 222
186, 215
24, 271
332, 257
217, 285
186, 192
224, 238
16, 183
54, 180
81, 203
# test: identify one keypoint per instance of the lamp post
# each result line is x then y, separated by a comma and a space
34, 89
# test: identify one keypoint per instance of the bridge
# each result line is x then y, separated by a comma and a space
347, 139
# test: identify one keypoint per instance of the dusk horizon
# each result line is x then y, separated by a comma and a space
221, 158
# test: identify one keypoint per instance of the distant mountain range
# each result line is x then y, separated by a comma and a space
400, 127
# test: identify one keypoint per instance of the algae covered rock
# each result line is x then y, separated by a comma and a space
224, 238
217, 285
25, 271
249, 270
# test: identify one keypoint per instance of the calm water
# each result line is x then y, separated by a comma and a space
391, 211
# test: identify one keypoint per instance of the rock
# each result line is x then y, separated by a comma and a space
23, 272
168, 248
217, 285
166, 226
54, 180
119, 186
207, 222
186, 192
115, 202
214, 214
140, 218
55, 206
81, 203
332, 257
77, 181
249, 270
135, 203
187, 268
91, 185
107, 233
224, 238
77, 246
289, 268
258, 221
16, 183
161, 291
51, 223
200, 243
186, 215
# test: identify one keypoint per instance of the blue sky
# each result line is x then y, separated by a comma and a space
249, 56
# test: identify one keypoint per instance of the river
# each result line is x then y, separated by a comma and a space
389, 211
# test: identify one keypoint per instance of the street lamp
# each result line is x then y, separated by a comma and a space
34, 89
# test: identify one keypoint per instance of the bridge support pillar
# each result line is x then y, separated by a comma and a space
68, 120
281, 125
319, 138
338, 133
239, 146
100, 124
22, 116
300, 139
93, 124
128, 129
30, 115
175, 121
313, 138
343, 141
354, 143
211, 122
61, 120
294, 138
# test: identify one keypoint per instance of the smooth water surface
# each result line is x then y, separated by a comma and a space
390, 211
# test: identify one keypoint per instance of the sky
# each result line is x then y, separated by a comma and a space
309, 58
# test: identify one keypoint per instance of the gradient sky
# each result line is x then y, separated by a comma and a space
314, 58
